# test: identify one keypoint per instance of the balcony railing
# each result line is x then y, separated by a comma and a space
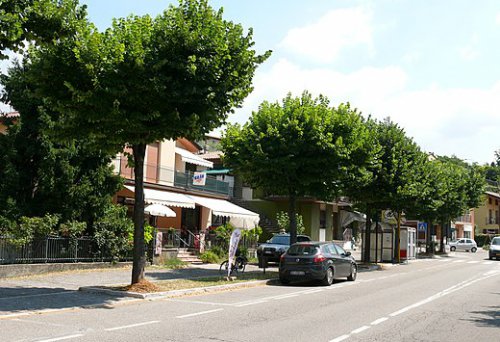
167, 176
464, 218
492, 220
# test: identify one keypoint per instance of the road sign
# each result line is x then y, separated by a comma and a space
422, 226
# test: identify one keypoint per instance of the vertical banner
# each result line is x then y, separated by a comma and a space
158, 244
233, 245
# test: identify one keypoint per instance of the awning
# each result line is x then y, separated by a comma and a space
159, 210
348, 217
192, 158
170, 199
239, 217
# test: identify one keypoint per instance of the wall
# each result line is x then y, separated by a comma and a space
174, 222
167, 162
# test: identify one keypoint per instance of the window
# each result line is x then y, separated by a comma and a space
467, 234
332, 249
303, 250
340, 250
489, 200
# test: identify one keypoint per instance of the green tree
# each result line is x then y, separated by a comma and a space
39, 175
40, 21
301, 147
144, 80
393, 176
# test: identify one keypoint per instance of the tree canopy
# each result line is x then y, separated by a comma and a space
144, 80
299, 147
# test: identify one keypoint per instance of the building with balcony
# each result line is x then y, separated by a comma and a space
176, 177
463, 226
487, 216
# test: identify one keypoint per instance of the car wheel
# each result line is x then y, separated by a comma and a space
354, 273
328, 279
473, 249
453, 248
491, 258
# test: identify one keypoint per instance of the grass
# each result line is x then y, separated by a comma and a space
183, 284
173, 264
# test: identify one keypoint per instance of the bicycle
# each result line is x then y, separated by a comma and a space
238, 266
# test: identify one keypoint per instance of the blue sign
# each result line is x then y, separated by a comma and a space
422, 226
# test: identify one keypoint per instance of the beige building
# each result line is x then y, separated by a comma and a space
487, 216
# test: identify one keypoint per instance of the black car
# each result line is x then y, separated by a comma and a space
322, 261
272, 250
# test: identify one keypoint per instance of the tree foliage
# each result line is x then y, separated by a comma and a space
144, 80
299, 147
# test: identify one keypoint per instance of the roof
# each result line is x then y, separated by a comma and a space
191, 158
493, 194
10, 115
212, 155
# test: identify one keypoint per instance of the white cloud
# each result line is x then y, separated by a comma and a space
324, 39
468, 53
456, 121
497, 19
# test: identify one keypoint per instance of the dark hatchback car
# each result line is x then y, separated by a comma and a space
322, 261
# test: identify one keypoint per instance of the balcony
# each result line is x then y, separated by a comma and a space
464, 218
166, 176
492, 220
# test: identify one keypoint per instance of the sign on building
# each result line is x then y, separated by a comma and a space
199, 178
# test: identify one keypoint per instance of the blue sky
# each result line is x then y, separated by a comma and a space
432, 66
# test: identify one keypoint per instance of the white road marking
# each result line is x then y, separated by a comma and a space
131, 325
286, 296
487, 262
61, 338
472, 262
357, 331
199, 313
456, 261
380, 320
340, 338
313, 291
251, 303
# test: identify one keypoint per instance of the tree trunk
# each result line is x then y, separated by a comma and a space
367, 239
139, 263
441, 246
292, 217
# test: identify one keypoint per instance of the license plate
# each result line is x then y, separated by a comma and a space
297, 272
268, 252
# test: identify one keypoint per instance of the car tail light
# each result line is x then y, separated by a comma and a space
319, 258
282, 257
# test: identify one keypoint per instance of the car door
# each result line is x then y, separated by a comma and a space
334, 256
344, 261
461, 245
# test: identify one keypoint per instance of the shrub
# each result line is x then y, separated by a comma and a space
209, 257
72, 229
219, 251
284, 222
174, 263
483, 239
112, 231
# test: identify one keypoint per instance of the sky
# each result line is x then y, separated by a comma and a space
431, 66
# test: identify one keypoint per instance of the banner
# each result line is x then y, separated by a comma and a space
199, 178
233, 245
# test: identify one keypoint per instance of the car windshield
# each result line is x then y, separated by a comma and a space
303, 250
280, 240
495, 242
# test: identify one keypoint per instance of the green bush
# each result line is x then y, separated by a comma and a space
72, 229
209, 257
483, 239
112, 231
174, 263
284, 222
219, 251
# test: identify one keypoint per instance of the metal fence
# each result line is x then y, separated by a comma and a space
55, 249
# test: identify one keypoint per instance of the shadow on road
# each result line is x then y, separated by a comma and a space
489, 318
19, 299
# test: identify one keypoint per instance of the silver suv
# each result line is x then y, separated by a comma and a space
464, 244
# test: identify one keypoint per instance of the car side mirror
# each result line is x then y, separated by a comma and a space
347, 253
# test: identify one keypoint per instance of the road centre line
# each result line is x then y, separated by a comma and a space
132, 325
363, 328
251, 303
340, 338
380, 320
473, 262
286, 296
457, 261
199, 313
61, 338
438, 295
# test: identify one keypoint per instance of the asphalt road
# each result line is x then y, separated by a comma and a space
448, 299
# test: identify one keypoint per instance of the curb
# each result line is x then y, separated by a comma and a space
173, 293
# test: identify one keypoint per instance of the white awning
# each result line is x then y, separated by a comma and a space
239, 217
170, 199
192, 158
159, 210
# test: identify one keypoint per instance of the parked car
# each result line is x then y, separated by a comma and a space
272, 250
463, 245
322, 261
494, 251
